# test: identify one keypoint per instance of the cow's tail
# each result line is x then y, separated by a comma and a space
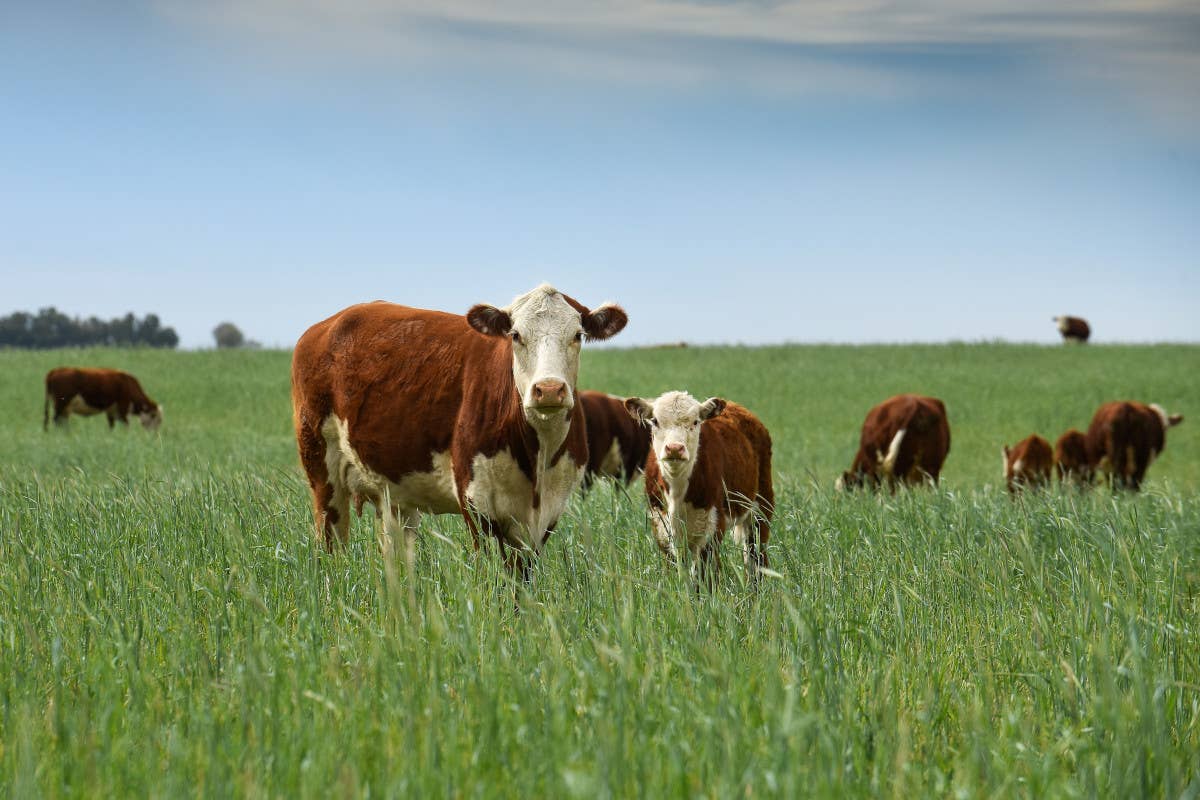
893, 453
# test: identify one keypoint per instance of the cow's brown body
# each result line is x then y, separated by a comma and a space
415, 412
1071, 460
1125, 437
1028, 464
88, 390
617, 444
905, 440
730, 486
1073, 329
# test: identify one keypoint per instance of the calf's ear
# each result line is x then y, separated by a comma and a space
712, 407
606, 321
1174, 420
639, 409
489, 320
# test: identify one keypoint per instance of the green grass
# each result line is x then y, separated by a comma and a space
167, 626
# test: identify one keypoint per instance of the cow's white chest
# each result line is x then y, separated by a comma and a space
77, 405
695, 525
500, 491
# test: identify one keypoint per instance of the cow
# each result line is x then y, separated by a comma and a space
904, 440
617, 444
92, 390
1071, 460
709, 469
1028, 464
420, 411
1125, 437
1073, 329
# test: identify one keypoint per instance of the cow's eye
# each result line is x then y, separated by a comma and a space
516, 337
654, 422
579, 336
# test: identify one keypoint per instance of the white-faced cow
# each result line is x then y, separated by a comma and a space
1071, 459
1073, 329
88, 390
1027, 464
904, 440
1124, 439
709, 469
423, 411
617, 444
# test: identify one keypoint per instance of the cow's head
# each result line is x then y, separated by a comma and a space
546, 328
151, 417
674, 419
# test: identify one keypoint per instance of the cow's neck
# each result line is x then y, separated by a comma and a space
677, 484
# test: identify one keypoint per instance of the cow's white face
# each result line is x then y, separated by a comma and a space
674, 419
546, 330
151, 419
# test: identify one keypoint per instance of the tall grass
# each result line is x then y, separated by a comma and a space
167, 626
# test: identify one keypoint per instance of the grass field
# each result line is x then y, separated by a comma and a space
167, 626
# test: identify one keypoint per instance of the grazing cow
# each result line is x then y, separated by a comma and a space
423, 411
1027, 464
709, 469
1073, 329
87, 390
905, 439
1071, 459
617, 444
1124, 439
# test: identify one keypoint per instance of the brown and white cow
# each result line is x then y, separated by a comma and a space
1073, 329
617, 444
422, 411
904, 439
1071, 459
709, 469
1124, 439
92, 390
1028, 464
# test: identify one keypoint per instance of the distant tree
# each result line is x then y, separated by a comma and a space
52, 328
228, 335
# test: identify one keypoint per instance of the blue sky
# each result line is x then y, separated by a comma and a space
728, 171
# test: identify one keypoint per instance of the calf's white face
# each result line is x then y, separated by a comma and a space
674, 419
151, 420
546, 333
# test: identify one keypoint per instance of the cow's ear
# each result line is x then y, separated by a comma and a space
639, 409
712, 407
1174, 420
489, 320
606, 321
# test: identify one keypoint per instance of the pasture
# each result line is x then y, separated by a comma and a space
168, 627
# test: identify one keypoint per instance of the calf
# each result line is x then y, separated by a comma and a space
1071, 460
904, 439
1027, 464
88, 390
617, 444
420, 411
1124, 439
709, 469
1073, 329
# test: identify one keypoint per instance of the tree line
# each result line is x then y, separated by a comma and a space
52, 328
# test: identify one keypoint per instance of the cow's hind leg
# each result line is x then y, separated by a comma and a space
331, 500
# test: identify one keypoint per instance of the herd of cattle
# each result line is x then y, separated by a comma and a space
418, 411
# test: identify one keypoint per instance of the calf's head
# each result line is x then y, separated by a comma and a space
546, 329
151, 417
674, 419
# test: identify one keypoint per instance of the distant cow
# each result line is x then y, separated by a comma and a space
1073, 329
1028, 463
1071, 459
422, 411
87, 390
709, 469
617, 444
905, 439
1124, 439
